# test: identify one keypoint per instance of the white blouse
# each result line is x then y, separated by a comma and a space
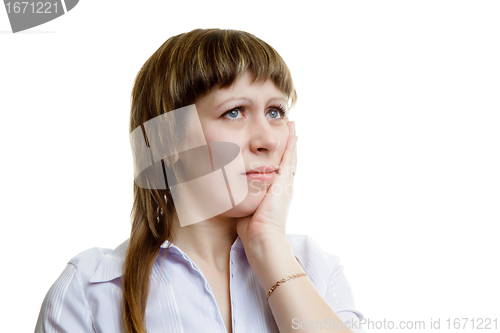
87, 296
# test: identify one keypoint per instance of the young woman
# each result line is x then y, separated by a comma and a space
190, 264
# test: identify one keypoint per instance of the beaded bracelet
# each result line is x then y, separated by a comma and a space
283, 281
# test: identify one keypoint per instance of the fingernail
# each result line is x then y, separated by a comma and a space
293, 128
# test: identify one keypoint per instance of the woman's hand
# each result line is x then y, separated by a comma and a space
270, 217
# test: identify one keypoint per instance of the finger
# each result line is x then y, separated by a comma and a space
291, 127
294, 163
287, 166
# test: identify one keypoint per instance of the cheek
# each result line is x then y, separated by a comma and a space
213, 131
221, 136
250, 204
283, 143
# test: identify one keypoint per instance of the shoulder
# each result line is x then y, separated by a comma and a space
100, 264
66, 306
87, 262
310, 254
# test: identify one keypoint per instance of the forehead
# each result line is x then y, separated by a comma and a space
245, 89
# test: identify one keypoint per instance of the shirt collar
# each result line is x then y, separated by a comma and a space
237, 244
111, 264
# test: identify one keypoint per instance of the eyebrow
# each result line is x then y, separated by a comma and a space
249, 101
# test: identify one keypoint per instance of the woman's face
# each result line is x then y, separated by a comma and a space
249, 115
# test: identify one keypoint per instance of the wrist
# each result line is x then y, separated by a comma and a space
259, 245
272, 259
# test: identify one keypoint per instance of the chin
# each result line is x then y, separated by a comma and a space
246, 207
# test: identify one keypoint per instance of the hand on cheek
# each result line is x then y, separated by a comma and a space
270, 217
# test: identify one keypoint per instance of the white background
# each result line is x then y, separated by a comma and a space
398, 121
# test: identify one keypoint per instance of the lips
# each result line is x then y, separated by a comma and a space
263, 177
263, 170
263, 173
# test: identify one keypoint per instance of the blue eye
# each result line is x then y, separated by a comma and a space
278, 110
232, 113
274, 111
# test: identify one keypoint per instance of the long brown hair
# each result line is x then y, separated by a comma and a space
185, 68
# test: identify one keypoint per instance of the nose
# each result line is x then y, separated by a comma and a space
262, 136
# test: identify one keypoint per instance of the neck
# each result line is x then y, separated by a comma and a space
207, 242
